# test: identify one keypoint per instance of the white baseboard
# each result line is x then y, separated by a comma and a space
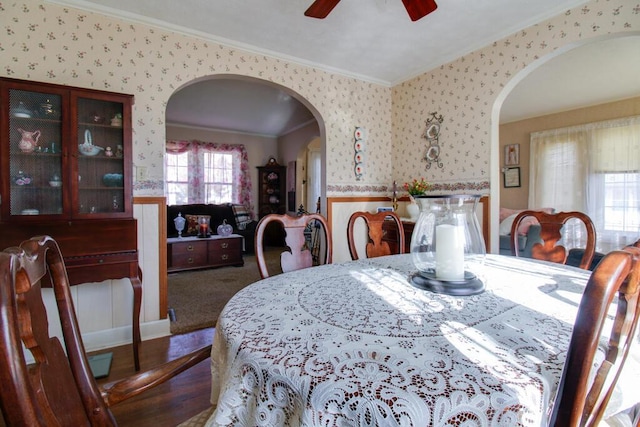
94, 341
123, 335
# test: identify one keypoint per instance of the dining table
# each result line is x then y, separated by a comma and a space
359, 343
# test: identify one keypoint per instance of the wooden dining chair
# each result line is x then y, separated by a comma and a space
303, 241
375, 246
594, 362
550, 234
57, 387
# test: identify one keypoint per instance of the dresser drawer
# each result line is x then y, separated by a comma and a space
224, 245
183, 248
225, 251
188, 255
189, 260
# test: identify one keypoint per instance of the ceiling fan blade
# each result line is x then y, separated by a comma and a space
419, 8
321, 8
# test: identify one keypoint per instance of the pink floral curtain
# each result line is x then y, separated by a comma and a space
242, 179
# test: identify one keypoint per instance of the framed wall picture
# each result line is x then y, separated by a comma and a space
511, 177
512, 155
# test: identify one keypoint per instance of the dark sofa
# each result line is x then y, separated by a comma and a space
218, 213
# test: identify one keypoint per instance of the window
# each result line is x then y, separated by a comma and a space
177, 178
620, 209
218, 178
205, 172
595, 169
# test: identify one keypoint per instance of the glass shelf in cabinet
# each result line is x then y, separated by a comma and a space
37, 154
100, 126
99, 158
116, 189
45, 120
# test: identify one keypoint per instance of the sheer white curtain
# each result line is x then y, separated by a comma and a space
314, 178
592, 168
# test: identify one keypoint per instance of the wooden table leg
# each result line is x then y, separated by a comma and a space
136, 284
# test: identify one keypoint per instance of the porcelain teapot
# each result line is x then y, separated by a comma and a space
29, 140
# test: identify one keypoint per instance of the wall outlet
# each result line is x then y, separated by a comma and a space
141, 173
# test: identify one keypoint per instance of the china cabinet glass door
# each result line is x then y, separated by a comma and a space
36, 173
100, 157
65, 153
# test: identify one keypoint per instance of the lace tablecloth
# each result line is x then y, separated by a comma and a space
356, 344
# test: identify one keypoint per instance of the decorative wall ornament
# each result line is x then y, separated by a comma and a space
431, 135
359, 135
512, 155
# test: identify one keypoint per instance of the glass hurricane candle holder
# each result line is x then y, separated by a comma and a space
203, 226
447, 246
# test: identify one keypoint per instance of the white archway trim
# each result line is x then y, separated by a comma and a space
495, 173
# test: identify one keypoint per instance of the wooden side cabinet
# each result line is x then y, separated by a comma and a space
391, 235
189, 253
272, 199
271, 189
66, 171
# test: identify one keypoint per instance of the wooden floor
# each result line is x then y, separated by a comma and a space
174, 401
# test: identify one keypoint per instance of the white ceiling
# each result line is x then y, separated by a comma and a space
237, 106
373, 40
592, 74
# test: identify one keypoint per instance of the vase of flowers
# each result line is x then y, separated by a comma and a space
415, 188
413, 209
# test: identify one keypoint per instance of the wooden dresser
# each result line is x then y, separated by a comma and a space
188, 253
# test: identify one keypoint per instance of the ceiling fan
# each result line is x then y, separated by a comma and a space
416, 8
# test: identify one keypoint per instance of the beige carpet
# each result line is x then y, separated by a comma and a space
197, 297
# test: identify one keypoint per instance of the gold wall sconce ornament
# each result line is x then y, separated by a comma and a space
432, 135
394, 198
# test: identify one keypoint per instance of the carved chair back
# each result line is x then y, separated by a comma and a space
550, 233
375, 246
595, 360
57, 387
303, 240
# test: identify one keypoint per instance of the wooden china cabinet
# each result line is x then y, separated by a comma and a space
66, 171
272, 198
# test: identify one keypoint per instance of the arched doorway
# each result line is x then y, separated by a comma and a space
270, 119
236, 100
561, 68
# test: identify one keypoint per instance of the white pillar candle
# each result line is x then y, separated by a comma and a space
449, 252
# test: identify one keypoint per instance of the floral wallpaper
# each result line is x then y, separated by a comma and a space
45, 42
464, 92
